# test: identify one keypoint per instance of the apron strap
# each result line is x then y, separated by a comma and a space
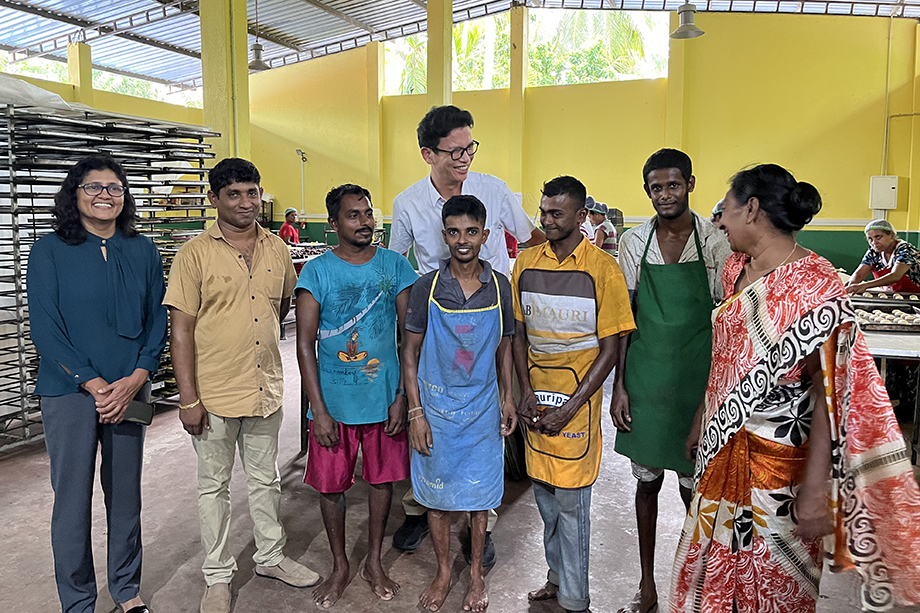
696, 237
433, 283
498, 301
647, 244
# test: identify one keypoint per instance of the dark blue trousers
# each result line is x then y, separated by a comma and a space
72, 436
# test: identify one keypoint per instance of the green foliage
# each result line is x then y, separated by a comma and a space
37, 68
587, 46
128, 86
572, 46
414, 78
468, 56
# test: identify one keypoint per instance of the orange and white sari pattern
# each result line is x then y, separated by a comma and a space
738, 550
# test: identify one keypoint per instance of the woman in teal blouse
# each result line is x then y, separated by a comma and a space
95, 289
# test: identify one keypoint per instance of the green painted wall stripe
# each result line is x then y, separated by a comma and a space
844, 248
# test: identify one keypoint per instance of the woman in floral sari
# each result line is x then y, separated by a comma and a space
796, 436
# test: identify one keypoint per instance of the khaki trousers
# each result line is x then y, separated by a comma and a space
257, 440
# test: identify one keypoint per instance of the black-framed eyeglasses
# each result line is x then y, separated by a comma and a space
456, 154
94, 189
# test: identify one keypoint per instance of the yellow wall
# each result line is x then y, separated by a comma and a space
599, 133
807, 93
320, 107
127, 105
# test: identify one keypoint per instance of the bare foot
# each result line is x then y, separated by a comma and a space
331, 589
383, 587
434, 596
642, 602
477, 600
547, 592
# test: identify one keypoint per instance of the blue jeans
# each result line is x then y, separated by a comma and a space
72, 436
566, 517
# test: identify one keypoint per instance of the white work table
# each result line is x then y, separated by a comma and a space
887, 345
900, 347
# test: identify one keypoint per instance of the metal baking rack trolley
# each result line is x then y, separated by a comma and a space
164, 162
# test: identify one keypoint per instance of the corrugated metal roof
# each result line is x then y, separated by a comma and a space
297, 30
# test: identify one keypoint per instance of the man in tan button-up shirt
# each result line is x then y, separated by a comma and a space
229, 288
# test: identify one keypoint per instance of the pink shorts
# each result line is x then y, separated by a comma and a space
385, 459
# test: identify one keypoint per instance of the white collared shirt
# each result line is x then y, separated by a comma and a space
417, 220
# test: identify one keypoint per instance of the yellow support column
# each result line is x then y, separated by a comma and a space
519, 65
674, 119
913, 191
440, 57
225, 71
80, 72
374, 124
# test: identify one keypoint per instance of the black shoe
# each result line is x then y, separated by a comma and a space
488, 550
411, 534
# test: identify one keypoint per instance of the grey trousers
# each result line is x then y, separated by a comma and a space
72, 436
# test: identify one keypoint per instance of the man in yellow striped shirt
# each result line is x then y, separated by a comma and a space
570, 307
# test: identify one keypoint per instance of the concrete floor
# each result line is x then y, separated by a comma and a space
173, 583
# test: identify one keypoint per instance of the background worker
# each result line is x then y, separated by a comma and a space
605, 235
893, 262
288, 231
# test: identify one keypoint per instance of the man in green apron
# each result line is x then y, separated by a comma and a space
672, 265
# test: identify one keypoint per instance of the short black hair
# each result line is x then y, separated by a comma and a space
232, 170
439, 122
458, 206
568, 186
334, 198
67, 222
668, 158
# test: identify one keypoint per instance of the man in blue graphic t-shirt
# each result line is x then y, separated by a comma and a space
349, 302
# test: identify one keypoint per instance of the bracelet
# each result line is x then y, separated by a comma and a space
400, 391
415, 409
417, 417
185, 407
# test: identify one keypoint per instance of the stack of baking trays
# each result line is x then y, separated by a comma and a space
165, 167
887, 312
306, 251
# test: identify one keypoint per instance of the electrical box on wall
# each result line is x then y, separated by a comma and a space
886, 191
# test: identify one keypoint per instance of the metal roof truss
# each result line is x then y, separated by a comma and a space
119, 25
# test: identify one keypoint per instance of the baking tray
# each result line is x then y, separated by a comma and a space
890, 306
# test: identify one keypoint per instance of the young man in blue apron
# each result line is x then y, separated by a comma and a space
445, 141
570, 309
350, 301
458, 326
673, 266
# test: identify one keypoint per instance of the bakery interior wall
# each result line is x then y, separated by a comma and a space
807, 92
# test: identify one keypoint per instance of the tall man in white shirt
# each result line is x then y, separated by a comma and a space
446, 142
447, 145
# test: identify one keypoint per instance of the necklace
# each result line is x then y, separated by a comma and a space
783, 263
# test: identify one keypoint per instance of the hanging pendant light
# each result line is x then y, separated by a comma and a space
687, 28
257, 64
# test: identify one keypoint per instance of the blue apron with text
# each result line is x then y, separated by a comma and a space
458, 383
